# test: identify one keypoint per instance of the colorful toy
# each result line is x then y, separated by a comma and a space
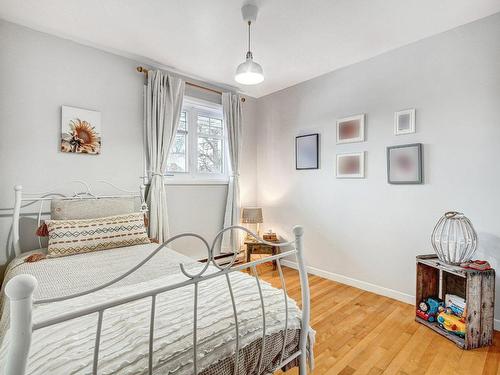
455, 303
429, 308
451, 323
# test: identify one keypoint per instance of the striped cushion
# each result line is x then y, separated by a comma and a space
68, 237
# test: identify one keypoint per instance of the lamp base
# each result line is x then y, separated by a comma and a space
250, 238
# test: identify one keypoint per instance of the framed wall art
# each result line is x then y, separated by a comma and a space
351, 165
404, 164
404, 122
80, 131
307, 151
351, 129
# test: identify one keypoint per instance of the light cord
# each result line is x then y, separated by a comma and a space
249, 23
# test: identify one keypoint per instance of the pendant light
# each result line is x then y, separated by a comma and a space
249, 72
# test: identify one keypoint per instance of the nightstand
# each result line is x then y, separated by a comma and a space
259, 248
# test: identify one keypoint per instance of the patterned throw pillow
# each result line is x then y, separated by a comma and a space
68, 237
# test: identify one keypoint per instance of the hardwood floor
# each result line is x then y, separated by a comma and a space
359, 332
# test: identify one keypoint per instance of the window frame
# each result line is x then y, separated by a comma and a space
195, 107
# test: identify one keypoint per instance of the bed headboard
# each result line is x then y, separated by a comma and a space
39, 200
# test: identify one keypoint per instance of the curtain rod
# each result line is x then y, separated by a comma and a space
141, 69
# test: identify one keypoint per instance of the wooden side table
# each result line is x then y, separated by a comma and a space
259, 248
436, 278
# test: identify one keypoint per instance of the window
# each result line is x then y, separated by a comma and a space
198, 151
210, 144
177, 161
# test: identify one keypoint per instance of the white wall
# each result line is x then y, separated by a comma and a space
38, 74
366, 229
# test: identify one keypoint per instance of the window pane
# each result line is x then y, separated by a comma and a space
209, 125
209, 155
177, 158
179, 146
177, 163
203, 125
215, 126
183, 122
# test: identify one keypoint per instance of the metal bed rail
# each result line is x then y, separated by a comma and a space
20, 290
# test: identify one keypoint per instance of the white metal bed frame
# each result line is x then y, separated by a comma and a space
20, 291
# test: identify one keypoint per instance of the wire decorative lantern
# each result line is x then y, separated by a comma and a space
454, 239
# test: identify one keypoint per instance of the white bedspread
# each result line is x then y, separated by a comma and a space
67, 348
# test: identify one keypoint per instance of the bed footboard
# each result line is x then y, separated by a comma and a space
306, 308
20, 291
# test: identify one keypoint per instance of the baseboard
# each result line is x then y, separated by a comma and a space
377, 289
391, 293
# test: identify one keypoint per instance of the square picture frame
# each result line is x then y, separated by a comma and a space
350, 165
404, 122
307, 151
351, 129
405, 164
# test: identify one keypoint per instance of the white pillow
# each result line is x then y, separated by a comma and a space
75, 209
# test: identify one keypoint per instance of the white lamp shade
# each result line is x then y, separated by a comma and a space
249, 73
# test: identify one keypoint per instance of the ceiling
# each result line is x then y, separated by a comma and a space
293, 40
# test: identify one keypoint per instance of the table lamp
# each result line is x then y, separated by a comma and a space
251, 215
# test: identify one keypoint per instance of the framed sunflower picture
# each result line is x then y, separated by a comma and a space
80, 131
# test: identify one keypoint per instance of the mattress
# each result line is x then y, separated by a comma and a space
67, 348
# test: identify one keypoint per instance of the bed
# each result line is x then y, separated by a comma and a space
146, 309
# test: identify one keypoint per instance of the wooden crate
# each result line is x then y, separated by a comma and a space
435, 279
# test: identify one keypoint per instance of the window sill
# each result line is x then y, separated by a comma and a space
195, 181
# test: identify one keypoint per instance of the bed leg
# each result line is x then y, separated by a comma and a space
306, 308
303, 364
20, 292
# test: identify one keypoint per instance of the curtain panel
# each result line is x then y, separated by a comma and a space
231, 105
164, 95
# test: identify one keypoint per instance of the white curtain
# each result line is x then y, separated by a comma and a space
231, 104
164, 96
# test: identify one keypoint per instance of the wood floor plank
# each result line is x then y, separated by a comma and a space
411, 350
359, 332
492, 360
